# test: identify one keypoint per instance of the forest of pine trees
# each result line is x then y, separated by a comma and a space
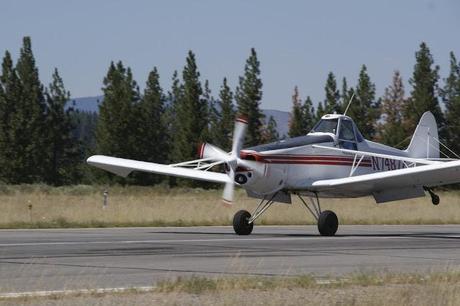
43, 139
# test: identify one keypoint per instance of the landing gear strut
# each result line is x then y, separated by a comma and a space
328, 223
434, 197
243, 222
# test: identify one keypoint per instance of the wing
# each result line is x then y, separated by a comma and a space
393, 185
124, 167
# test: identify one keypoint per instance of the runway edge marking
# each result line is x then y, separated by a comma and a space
142, 289
49, 293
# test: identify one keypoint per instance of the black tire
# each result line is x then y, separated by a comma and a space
328, 223
435, 199
240, 223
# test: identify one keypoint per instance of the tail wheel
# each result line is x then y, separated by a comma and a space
328, 223
241, 224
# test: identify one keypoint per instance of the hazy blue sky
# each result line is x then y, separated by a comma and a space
298, 42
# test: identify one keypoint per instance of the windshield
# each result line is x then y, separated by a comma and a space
326, 126
346, 130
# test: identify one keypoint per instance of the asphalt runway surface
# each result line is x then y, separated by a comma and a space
58, 259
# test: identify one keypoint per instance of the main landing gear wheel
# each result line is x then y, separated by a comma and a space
327, 220
434, 197
241, 224
328, 223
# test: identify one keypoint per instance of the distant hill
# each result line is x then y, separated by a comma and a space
281, 118
91, 104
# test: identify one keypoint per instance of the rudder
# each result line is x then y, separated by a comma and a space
424, 142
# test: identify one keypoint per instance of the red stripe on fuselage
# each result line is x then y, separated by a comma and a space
316, 162
306, 159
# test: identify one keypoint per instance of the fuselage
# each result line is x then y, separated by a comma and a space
294, 164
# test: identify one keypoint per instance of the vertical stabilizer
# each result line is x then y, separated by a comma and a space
424, 142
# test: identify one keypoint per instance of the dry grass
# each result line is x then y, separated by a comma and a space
82, 206
354, 289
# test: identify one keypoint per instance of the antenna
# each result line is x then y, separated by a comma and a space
349, 103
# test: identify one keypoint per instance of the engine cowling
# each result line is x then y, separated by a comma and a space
261, 178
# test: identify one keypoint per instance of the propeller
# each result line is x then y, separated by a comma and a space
231, 159
238, 139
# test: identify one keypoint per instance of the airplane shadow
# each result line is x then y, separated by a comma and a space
438, 235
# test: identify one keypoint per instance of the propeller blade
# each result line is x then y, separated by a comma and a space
229, 189
233, 160
238, 136
209, 151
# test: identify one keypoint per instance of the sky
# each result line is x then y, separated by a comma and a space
297, 42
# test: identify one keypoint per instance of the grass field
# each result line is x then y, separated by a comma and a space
35, 206
354, 289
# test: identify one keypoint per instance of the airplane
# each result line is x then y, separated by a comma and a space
332, 161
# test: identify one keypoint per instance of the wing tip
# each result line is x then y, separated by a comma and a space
201, 147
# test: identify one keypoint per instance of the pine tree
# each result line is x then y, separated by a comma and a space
270, 133
320, 111
296, 122
63, 155
303, 116
191, 114
174, 98
393, 104
28, 124
210, 134
3, 133
226, 118
3, 123
365, 109
332, 102
424, 97
152, 140
248, 96
152, 127
451, 97
10, 95
86, 122
117, 124
176, 89
308, 116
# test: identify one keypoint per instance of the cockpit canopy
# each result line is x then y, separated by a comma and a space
331, 128
341, 126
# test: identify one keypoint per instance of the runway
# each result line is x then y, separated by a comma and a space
58, 259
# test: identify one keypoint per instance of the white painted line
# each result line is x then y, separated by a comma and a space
148, 241
143, 289
306, 238
12, 295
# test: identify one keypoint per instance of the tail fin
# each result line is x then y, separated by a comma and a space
424, 142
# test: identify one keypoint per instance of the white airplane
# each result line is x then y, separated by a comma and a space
332, 161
